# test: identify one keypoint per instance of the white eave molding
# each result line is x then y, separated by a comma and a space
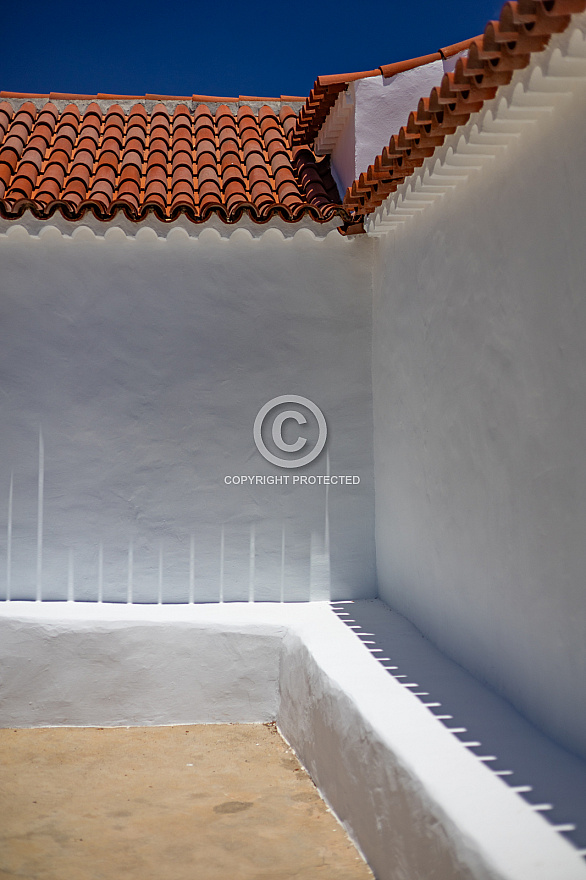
553, 77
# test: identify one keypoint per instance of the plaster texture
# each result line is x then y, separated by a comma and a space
381, 105
343, 147
416, 800
132, 372
138, 671
480, 422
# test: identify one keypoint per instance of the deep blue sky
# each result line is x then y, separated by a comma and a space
219, 48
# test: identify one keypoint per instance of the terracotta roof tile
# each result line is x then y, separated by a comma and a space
523, 27
167, 162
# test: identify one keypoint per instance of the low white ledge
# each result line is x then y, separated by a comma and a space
416, 800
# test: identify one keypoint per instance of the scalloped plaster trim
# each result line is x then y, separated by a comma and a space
152, 229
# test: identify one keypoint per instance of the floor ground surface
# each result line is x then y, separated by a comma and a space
192, 802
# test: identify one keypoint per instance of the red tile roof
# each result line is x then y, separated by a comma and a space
259, 164
164, 162
524, 27
327, 88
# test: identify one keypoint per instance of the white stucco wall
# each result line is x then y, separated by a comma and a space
480, 420
343, 158
381, 106
144, 360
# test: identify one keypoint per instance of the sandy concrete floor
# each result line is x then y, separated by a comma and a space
199, 802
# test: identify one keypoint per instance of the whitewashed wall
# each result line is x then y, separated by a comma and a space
380, 106
480, 422
143, 362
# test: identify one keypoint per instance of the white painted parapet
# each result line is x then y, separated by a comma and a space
415, 798
81, 664
418, 803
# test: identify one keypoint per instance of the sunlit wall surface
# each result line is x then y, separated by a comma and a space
132, 371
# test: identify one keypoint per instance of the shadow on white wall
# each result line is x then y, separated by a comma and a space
252, 563
551, 779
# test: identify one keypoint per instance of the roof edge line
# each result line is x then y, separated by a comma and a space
70, 96
344, 78
388, 70
462, 46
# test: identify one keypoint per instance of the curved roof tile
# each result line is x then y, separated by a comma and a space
140, 162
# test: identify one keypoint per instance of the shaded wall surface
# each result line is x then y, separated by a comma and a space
480, 423
131, 372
